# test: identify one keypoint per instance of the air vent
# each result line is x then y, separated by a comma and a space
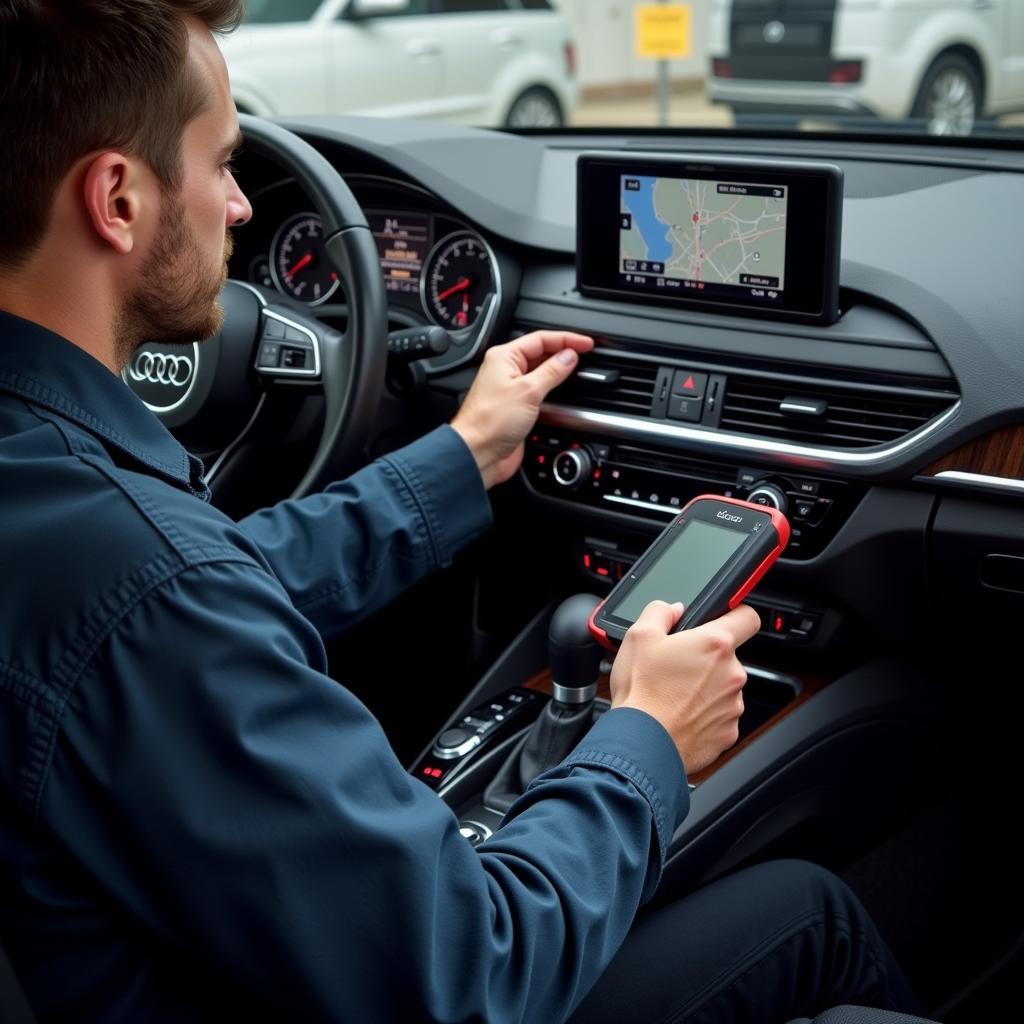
610, 385
826, 415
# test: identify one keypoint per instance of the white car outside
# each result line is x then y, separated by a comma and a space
481, 62
944, 62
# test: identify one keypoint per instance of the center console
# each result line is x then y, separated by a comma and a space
820, 767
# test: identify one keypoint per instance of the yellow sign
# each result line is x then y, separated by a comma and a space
662, 31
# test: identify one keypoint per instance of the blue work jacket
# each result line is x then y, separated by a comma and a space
196, 820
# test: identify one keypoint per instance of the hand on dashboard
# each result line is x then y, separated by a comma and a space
504, 401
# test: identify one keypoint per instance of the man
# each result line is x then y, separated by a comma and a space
196, 820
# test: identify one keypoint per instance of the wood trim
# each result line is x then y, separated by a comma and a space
1000, 453
811, 685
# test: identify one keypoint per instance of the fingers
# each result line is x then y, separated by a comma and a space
737, 626
552, 372
539, 344
657, 618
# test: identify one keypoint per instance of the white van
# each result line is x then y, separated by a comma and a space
482, 62
945, 63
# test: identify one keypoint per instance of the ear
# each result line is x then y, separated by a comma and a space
114, 199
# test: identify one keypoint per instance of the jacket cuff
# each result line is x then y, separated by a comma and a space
638, 747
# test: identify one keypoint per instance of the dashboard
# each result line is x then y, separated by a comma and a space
880, 434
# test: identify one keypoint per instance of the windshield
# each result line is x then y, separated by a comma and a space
891, 68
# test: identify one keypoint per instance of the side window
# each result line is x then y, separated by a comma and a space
468, 6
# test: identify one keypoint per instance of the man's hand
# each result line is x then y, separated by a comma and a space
504, 401
691, 682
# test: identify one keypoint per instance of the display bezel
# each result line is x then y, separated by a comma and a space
814, 214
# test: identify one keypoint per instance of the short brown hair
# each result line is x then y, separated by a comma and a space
84, 75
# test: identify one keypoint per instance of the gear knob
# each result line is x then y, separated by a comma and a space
575, 654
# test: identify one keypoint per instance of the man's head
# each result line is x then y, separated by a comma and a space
118, 123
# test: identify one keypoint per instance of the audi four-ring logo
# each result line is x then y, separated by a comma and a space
160, 368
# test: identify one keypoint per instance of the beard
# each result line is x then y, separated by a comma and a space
176, 303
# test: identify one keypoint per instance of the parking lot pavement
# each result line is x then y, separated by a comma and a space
688, 107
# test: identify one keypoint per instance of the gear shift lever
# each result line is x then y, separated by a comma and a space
575, 654
575, 663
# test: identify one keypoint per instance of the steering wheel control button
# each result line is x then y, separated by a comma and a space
273, 328
455, 742
572, 467
270, 354
687, 410
294, 358
689, 384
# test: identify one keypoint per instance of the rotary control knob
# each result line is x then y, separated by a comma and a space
572, 467
455, 743
770, 496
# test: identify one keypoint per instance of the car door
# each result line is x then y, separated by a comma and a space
481, 39
386, 65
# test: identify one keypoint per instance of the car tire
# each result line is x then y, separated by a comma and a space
949, 97
536, 107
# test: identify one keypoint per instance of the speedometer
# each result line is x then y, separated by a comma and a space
298, 260
459, 281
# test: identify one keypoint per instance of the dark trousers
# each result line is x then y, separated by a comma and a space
773, 942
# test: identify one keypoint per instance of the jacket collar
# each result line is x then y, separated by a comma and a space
50, 371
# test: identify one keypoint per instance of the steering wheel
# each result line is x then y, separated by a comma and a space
211, 395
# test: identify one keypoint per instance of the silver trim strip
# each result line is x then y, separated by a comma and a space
250, 287
619, 500
955, 476
568, 416
763, 673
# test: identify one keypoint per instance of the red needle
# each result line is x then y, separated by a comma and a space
308, 258
463, 282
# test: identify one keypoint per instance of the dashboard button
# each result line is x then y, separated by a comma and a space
689, 384
685, 409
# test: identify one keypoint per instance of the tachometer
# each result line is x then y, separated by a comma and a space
298, 261
459, 281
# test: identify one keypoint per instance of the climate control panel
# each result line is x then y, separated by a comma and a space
654, 484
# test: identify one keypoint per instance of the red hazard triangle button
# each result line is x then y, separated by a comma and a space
689, 384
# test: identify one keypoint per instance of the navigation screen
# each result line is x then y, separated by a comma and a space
403, 240
728, 237
734, 236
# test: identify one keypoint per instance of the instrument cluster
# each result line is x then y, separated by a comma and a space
436, 269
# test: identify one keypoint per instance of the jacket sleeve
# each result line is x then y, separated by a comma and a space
349, 550
252, 814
